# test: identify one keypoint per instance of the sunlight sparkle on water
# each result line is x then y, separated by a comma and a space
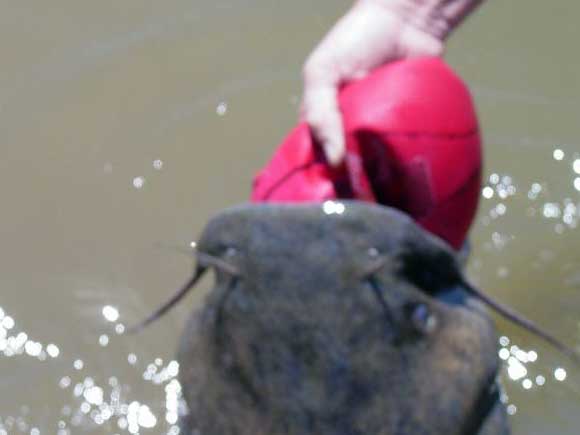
132, 359
32, 348
560, 374
20, 343
503, 186
551, 210
94, 395
101, 403
534, 191
558, 154
158, 164
487, 192
576, 166
140, 416
64, 382
8, 322
138, 182
110, 313
172, 396
221, 108
504, 354
516, 370
52, 350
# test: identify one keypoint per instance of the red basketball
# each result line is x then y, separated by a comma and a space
412, 143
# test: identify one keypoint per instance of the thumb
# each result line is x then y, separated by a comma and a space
320, 110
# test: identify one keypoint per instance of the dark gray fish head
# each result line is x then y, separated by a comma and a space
344, 319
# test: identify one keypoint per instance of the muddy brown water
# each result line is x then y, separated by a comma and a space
125, 125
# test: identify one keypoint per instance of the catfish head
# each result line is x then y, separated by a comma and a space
336, 319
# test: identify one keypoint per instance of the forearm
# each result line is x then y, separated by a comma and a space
436, 17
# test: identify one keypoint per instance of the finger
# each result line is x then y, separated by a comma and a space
320, 110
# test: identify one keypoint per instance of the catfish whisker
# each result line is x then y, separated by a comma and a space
516, 318
204, 261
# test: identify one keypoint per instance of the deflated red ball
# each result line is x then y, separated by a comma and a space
412, 141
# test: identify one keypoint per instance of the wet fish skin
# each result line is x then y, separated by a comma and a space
350, 323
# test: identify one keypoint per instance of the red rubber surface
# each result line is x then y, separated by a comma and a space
412, 143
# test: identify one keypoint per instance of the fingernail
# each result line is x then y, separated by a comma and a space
334, 155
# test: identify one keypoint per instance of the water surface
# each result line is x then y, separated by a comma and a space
126, 125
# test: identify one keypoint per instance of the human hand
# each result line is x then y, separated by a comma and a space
372, 33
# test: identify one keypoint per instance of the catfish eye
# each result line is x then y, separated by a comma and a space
422, 319
230, 252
